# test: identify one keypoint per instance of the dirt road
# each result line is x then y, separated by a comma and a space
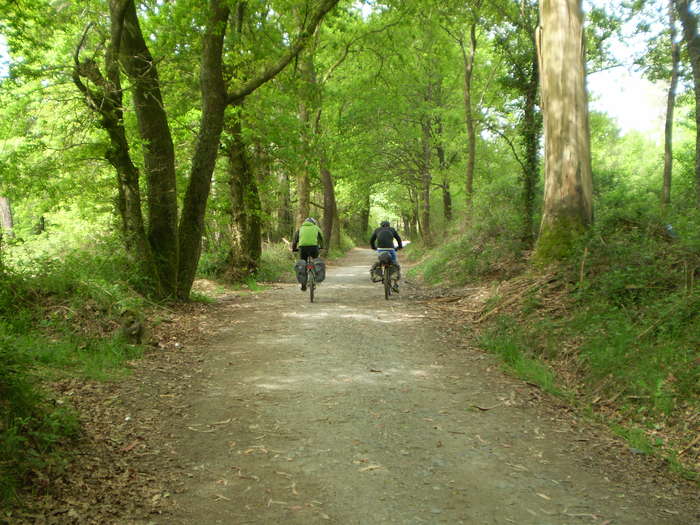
355, 410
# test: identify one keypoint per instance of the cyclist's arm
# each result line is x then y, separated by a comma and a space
373, 239
295, 241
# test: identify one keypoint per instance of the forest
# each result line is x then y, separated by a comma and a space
145, 145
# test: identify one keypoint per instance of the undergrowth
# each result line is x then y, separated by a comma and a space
60, 307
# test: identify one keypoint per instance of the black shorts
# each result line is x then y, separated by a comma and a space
308, 251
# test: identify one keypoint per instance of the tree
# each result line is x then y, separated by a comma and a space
670, 105
567, 208
172, 249
689, 20
516, 40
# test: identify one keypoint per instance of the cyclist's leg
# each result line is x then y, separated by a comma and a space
396, 271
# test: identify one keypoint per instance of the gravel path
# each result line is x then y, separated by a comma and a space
358, 410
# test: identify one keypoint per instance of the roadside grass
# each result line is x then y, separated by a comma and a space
507, 340
619, 338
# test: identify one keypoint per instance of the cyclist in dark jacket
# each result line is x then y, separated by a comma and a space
383, 237
382, 240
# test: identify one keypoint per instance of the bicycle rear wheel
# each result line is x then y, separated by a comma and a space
387, 283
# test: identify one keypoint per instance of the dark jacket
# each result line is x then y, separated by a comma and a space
383, 237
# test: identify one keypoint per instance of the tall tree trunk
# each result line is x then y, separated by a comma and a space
105, 97
468, 60
7, 226
689, 20
335, 232
285, 219
329, 204
567, 210
363, 217
444, 175
426, 180
670, 105
532, 132
158, 150
246, 227
306, 110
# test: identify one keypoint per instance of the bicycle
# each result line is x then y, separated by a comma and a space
310, 277
387, 267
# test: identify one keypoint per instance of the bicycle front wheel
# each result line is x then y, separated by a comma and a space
311, 283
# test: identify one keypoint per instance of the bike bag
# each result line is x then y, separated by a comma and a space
300, 270
320, 269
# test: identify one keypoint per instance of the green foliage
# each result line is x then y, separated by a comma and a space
491, 248
31, 428
276, 264
61, 297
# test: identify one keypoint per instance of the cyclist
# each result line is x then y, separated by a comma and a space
308, 239
382, 240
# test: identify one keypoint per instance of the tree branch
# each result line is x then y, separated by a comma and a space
273, 69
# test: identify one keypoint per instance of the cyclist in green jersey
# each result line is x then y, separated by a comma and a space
308, 240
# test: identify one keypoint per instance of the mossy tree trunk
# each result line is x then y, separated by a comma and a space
246, 209
285, 218
568, 187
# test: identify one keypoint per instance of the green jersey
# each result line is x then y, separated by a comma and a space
310, 235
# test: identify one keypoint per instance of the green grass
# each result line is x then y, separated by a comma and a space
506, 339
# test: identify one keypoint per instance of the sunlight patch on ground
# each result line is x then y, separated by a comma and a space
370, 377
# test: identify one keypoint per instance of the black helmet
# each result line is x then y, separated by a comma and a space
312, 220
385, 224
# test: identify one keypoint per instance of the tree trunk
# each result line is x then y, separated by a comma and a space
444, 175
285, 218
158, 150
7, 227
335, 233
306, 109
670, 105
689, 20
468, 60
363, 216
106, 99
426, 180
532, 132
246, 227
329, 204
214, 102
567, 210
